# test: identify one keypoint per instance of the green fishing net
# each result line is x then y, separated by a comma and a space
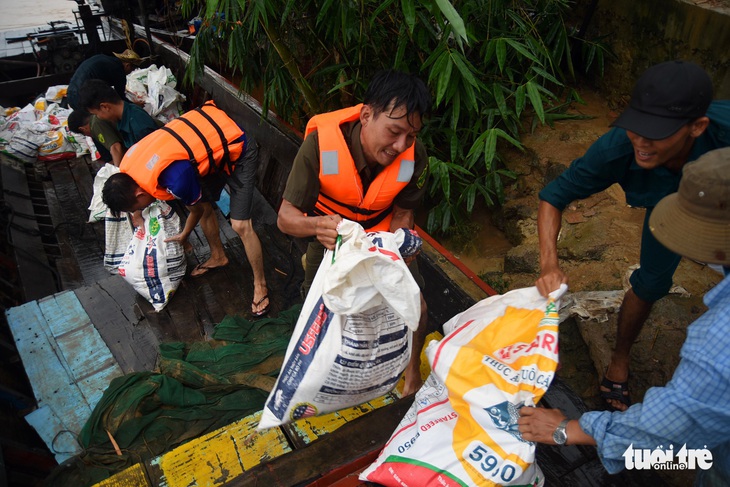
198, 388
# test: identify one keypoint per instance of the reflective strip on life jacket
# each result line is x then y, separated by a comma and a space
341, 189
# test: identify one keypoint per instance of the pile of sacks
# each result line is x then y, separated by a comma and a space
155, 87
39, 130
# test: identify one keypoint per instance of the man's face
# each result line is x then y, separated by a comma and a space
386, 135
104, 112
671, 152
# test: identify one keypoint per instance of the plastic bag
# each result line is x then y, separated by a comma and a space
97, 208
56, 93
57, 146
152, 266
497, 356
155, 88
24, 144
353, 337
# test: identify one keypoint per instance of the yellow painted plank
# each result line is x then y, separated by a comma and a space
222, 455
309, 429
134, 476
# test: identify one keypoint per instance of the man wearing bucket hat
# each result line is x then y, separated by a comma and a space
112, 70
692, 409
670, 121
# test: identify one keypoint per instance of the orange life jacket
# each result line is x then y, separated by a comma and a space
341, 189
204, 136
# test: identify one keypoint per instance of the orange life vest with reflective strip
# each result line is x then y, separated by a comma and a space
341, 189
204, 136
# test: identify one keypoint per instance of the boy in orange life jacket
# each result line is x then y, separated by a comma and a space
191, 159
365, 164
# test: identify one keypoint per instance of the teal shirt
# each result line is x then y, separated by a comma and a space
611, 160
135, 124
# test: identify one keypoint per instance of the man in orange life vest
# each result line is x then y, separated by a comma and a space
365, 164
191, 159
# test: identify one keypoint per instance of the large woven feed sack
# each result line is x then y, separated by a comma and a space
152, 266
496, 357
353, 337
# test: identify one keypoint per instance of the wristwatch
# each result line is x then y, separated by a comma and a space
559, 435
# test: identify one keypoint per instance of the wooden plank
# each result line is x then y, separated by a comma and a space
219, 457
134, 476
61, 441
189, 315
47, 370
88, 252
85, 183
90, 362
305, 431
111, 306
345, 445
36, 275
66, 266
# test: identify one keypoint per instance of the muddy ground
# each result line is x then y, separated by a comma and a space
599, 243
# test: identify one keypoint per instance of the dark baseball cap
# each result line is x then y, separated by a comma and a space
666, 97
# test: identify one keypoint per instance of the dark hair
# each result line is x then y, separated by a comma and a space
76, 119
400, 89
94, 92
118, 193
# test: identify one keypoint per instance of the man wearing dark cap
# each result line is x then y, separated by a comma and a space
112, 70
671, 120
689, 417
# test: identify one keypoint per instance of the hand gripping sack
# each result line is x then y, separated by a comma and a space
152, 266
461, 430
353, 339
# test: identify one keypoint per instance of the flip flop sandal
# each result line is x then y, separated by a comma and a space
617, 391
205, 269
258, 303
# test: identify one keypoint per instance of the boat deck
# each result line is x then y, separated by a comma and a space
57, 249
82, 307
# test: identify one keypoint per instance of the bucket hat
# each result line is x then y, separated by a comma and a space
666, 97
129, 56
695, 221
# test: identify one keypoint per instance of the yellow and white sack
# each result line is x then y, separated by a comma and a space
496, 357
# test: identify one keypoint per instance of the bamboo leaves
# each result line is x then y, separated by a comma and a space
490, 64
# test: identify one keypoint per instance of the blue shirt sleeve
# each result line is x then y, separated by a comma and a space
180, 179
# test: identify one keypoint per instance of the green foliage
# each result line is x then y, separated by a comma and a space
491, 65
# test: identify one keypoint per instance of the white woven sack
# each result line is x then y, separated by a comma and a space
152, 266
353, 337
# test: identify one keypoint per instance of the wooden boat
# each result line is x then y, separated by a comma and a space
69, 305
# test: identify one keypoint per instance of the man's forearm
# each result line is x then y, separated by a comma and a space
402, 218
576, 435
196, 213
549, 220
294, 222
117, 152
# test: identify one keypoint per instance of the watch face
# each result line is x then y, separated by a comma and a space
559, 436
